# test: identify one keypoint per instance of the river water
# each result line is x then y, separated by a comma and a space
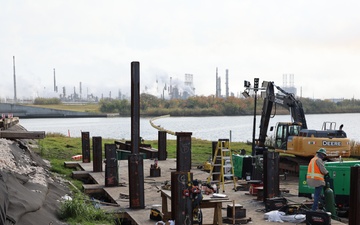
237, 128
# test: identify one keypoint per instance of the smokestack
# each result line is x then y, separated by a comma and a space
64, 92
15, 98
217, 84
55, 88
227, 83
171, 89
80, 90
219, 88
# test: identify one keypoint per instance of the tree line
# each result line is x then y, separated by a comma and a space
212, 106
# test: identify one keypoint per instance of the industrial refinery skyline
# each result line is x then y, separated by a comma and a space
95, 43
166, 88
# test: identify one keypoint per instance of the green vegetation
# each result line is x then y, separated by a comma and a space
58, 148
47, 101
81, 210
197, 106
89, 107
211, 106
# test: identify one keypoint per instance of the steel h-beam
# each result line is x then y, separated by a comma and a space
271, 174
135, 161
97, 154
181, 203
111, 167
354, 216
85, 140
183, 151
162, 153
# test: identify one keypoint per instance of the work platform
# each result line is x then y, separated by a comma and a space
155, 198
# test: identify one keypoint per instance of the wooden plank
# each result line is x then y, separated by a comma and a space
71, 164
138, 216
22, 134
80, 174
93, 188
98, 177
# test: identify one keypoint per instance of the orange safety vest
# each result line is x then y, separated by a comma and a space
314, 171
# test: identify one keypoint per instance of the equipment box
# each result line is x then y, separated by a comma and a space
240, 212
318, 218
275, 204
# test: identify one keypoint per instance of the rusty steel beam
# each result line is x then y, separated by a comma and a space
136, 165
97, 154
183, 151
111, 166
136, 181
271, 174
85, 141
162, 153
181, 205
354, 209
135, 107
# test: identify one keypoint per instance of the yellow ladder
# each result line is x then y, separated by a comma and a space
222, 164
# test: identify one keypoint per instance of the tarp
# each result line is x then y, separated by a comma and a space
29, 194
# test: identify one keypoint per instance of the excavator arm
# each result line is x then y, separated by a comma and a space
284, 99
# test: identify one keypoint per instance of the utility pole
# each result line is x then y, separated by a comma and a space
15, 98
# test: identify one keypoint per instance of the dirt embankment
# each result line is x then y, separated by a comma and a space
29, 192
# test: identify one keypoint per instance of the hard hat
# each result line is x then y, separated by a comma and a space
322, 150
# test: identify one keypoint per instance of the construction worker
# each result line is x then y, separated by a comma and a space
316, 175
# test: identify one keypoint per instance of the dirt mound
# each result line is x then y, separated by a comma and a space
29, 193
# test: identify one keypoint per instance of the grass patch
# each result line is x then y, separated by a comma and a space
90, 107
82, 210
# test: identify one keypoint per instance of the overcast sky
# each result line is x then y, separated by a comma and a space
94, 42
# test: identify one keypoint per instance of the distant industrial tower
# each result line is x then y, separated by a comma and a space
289, 86
15, 98
189, 82
80, 90
119, 94
171, 88
55, 87
218, 85
64, 92
227, 83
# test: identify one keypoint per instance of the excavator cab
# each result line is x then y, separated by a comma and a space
284, 132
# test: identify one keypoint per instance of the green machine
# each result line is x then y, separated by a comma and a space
339, 182
242, 165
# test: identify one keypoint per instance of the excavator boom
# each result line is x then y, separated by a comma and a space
294, 137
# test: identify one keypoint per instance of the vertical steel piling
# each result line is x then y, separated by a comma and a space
136, 165
111, 166
271, 174
183, 151
162, 153
97, 154
354, 209
85, 141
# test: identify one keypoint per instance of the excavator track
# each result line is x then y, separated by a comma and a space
291, 164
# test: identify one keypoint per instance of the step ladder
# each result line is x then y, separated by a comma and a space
222, 164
